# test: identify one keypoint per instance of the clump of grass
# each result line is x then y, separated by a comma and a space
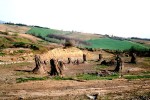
20, 73
96, 77
130, 77
146, 72
2, 54
62, 78
20, 80
100, 67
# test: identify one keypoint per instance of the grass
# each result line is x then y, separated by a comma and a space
101, 67
96, 77
16, 65
20, 80
146, 72
83, 77
130, 77
62, 78
44, 31
2, 54
107, 43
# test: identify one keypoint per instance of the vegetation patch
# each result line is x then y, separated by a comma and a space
2, 54
96, 77
112, 44
130, 77
20, 80
62, 78
101, 67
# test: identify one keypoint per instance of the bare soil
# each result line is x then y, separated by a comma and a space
119, 88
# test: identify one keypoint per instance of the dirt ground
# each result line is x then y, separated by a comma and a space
115, 89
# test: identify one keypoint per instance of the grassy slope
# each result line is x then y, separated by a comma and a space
44, 31
106, 43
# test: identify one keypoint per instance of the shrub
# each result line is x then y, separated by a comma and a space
69, 43
34, 47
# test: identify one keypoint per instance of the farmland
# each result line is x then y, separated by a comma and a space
107, 43
44, 31
95, 41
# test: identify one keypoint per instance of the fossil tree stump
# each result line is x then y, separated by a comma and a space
61, 67
100, 57
69, 60
39, 69
119, 64
84, 58
133, 58
56, 67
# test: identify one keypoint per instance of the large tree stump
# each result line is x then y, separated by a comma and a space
133, 58
100, 57
84, 58
61, 67
39, 69
119, 64
57, 67
69, 60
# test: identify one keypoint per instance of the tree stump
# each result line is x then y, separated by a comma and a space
39, 69
57, 67
61, 67
100, 57
84, 58
69, 60
119, 63
133, 58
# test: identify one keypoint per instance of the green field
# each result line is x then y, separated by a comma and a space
102, 43
44, 31
107, 43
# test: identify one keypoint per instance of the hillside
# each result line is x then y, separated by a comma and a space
85, 39
112, 44
79, 39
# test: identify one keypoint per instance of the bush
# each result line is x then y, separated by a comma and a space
69, 43
34, 47
139, 51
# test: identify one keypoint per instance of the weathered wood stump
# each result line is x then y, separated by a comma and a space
84, 58
100, 57
69, 60
39, 69
57, 67
119, 64
133, 58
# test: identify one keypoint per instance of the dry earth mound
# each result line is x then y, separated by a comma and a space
62, 53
